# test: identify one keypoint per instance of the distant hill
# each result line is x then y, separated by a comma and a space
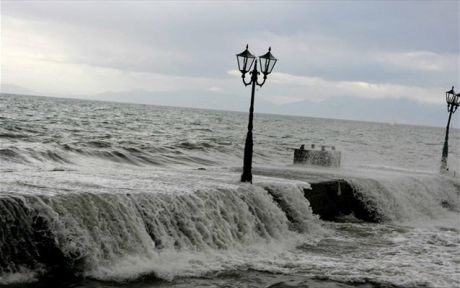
15, 89
389, 110
191, 98
393, 110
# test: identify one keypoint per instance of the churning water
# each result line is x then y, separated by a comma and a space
98, 194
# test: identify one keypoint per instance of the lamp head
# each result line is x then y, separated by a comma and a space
450, 96
452, 99
245, 60
267, 62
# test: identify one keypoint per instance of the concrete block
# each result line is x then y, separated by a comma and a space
323, 157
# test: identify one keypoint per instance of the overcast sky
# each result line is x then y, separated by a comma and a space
367, 49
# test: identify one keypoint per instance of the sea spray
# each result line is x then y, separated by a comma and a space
290, 197
119, 156
89, 233
397, 197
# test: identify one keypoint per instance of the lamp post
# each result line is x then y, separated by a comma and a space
453, 102
245, 61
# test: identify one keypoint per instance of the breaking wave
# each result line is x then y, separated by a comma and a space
184, 154
105, 191
122, 236
402, 197
118, 236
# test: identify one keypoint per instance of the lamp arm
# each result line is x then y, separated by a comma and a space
263, 82
244, 80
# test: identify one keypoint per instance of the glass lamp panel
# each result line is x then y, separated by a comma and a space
263, 65
241, 63
244, 63
271, 64
250, 61
266, 65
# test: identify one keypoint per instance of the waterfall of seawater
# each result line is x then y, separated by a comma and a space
407, 198
90, 234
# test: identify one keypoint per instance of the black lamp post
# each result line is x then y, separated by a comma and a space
245, 61
453, 101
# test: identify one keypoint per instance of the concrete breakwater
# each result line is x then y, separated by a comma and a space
384, 197
331, 195
335, 198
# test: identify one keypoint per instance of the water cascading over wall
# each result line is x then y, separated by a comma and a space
87, 234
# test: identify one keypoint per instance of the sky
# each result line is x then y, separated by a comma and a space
365, 50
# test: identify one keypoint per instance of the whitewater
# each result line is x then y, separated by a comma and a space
100, 194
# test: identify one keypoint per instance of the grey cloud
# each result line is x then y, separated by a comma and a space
210, 32
432, 25
333, 40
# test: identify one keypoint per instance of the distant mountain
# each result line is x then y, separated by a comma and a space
192, 98
393, 111
15, 89
389, 110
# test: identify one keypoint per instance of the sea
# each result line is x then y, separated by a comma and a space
102, 194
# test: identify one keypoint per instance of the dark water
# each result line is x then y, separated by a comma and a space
67, 130
109, 195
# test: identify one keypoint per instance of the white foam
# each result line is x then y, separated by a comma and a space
408, 197
165, 222
22, 276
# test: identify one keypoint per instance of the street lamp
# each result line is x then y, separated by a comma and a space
453, 102
245, 62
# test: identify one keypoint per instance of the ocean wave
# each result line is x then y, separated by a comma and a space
90, 235
388, 195
408, 197
13, 135
12, 154
76, 153
195, 145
